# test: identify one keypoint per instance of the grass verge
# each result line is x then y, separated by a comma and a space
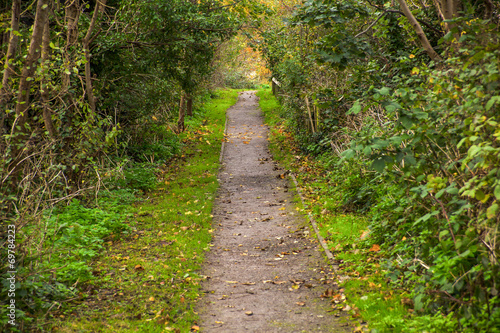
148, 281
369, 298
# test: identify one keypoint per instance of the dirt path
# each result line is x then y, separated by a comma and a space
265, 272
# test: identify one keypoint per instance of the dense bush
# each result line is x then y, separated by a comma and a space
411, 142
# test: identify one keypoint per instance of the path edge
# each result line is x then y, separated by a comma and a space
314, 224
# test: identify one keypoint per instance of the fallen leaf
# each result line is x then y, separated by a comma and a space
279, 282
249, 313
328, 293
195, 328
151, 299
139, 268
301, 303
374, 248
364, 234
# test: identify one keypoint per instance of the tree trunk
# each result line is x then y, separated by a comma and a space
30, 65
44, 91
86, 46
23, 97
189, 105
450, 10
420, 32
71, 16
182, 113
5, 92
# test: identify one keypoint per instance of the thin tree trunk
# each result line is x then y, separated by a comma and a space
310, 115
189, 105
439, 8
30, 65
11, 51
488, 13
182, 114
86, 46
44, 91
420, 32
72, 14
23, 97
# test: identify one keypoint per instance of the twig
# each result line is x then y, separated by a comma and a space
371, 25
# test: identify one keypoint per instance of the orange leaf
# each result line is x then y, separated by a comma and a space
375, 248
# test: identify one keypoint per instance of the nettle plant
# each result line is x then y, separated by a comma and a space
444, 151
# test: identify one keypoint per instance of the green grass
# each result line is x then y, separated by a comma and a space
150, 281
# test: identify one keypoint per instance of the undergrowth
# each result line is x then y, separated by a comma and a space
350, 202
126, 260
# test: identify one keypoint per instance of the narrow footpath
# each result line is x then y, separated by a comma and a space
265, 272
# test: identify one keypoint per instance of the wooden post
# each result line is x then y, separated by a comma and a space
310, 115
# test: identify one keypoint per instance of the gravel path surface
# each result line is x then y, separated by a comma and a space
265, 272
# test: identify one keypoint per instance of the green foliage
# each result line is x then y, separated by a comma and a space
411, 143
139, 177
153, 144
62, 253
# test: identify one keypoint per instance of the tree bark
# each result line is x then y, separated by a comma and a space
44, 91
30, 65
5, 92
182, 114
23, 96
86, 46
420, 32
450, 10
189, 105
71, 17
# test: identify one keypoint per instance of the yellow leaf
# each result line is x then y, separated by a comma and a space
151, 299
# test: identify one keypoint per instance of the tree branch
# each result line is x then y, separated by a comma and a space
371, 25
420, 33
